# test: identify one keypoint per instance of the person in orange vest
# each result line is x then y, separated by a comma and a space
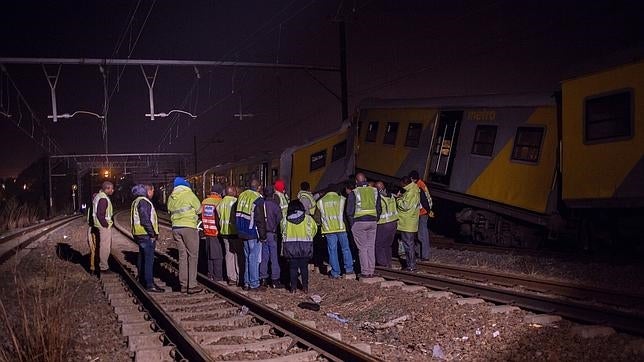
210, 222
423, 218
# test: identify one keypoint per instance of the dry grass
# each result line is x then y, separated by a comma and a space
35, 321
14, 214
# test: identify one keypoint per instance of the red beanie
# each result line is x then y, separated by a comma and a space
280, 186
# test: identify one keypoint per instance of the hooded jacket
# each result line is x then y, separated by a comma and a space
145, 210
408, 208
298, 231
184, 207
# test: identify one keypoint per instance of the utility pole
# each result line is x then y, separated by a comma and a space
343, 70
194, 150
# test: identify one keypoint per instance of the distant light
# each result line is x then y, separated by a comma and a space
3, 186
74, 187
106, 173
24, 187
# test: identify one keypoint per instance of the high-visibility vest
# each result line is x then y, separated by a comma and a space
309, 196
137, 228
283, 202
304, 231
226, 220
331, 208
366, 198
209, 215
108, 212
246, 206
389, 210
184, 207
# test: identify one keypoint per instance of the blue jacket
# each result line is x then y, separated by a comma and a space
273, 215
255, 228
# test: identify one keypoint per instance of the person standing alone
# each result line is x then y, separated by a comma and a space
145, 229
102, 214
210, 222
363, 211
184, 208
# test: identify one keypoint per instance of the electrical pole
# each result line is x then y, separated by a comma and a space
343, 70
194, 144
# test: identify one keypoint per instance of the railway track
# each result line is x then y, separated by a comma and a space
572, 302
11, 244
222, 323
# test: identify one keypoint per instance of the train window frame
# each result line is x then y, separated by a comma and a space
391, 142
334, 154
629, 121
420, 132
315, 165
372, 136
475, 143
516, 137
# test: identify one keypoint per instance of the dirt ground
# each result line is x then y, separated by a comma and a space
56, 271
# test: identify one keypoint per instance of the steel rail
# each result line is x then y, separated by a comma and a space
326, 345
18, 233
564, 289
187, 347
49, 227
587, 313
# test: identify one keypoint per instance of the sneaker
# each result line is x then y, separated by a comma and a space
232, 283
276, 284
245, 287
263, 282
155, 289
195, 290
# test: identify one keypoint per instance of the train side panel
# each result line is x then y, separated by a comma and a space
603, 138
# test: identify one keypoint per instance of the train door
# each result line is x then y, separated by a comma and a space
444, 146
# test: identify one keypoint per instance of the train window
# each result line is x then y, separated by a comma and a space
339, 151
527, 144
390, 133
413, 134
318, 160
608, 117
484, 138
372, 131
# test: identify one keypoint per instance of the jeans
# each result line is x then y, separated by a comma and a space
145, 260
423, 237
270, 254
252, 254
407, 239
301, 264
332, 246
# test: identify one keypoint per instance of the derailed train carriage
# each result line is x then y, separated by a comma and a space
519, 170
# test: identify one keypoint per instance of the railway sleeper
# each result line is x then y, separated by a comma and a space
249, 332
209, 314
237, 321
307, 356
271, 345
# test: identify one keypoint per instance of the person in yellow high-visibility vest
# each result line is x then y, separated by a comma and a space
102, 214
408, 204
145, 230
330, 212
363, 211
386, 230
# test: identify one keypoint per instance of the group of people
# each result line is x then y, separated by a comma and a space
249, 233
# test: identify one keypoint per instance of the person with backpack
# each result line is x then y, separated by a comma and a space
423, 219
210, 222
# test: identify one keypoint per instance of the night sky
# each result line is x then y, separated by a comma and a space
396, 49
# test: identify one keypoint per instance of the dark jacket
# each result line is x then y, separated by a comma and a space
297, 248
101, 210
273, 215
351, 208
259, 220
145, 210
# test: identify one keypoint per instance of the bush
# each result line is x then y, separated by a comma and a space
14, 214
36, 325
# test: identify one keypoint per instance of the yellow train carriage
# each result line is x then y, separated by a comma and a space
603, 138
324, 162
493, 154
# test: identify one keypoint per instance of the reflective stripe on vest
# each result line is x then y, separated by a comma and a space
298, 232
389, 210
137, 228
209, 216
246, 206
331, 208
108, 211
283, 202
366, 197
226, 222
309, 196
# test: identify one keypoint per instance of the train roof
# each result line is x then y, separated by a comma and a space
478, 101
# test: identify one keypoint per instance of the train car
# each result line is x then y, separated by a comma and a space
490, 161
602, 148
324, 163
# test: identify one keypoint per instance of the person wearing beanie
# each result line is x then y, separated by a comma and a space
145, 229
184, 208
280, 192
210, 222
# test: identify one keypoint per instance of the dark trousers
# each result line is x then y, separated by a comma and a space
145, 260
215, 254
270, 255
408, 241
301, 264
385, 234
